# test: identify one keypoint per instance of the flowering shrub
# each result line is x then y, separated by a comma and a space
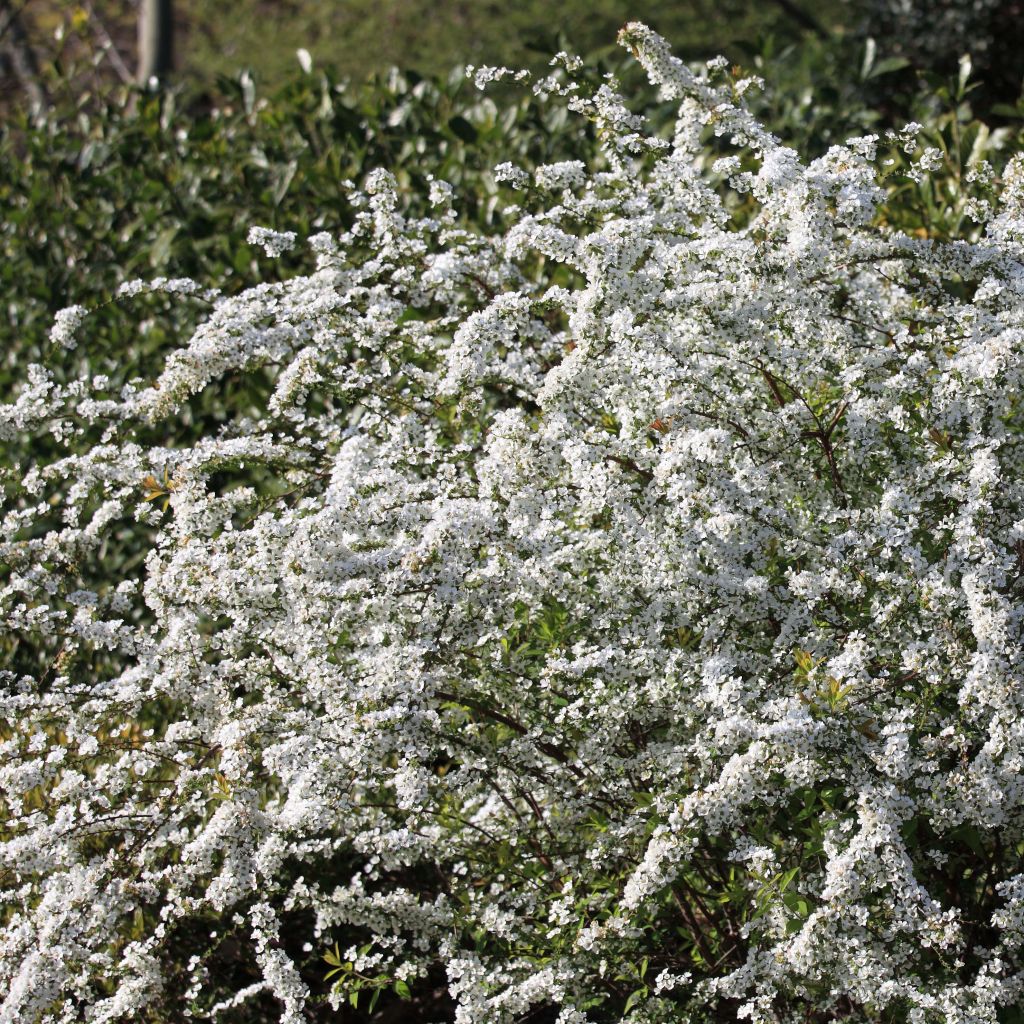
617, 615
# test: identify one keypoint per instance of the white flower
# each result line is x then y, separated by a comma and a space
274, 243
65, 323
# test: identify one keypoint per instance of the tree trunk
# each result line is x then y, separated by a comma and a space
156, 39
19, 55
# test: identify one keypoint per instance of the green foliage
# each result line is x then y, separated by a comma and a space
147, 185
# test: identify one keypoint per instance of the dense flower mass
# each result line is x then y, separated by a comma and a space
619, 613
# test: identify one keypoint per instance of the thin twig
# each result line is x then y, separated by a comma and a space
803, 18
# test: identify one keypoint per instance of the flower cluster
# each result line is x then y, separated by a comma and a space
619, 613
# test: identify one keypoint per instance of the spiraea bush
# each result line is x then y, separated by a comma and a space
613, 616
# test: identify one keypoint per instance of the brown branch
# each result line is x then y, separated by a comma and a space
555, 752
626, 463
695, 928
773, 384
107, 44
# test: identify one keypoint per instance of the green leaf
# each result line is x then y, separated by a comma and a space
635, 997
964, 74
870, 49
463, 129
889, 65
284, 176
161, 249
